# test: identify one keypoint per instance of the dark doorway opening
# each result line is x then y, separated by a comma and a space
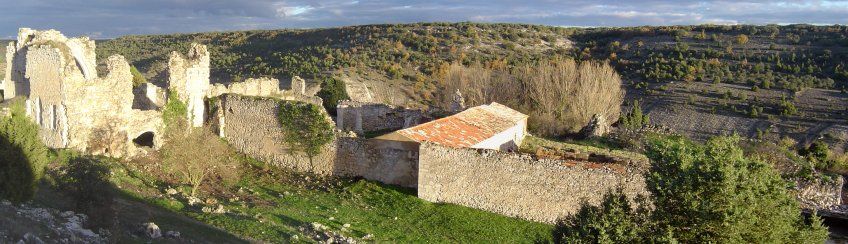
144, 140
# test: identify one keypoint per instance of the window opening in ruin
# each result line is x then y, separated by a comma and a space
144, 140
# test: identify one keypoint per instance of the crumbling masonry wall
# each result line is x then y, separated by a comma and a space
188, 78
73, 107
517, 185
362, 117
251, 126
262, 87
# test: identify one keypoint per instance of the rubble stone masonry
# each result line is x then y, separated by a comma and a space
518, 185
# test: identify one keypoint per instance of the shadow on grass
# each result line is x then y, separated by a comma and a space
132, 211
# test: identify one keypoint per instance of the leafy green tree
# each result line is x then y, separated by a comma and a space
332, 91
307, 129
22, 155
713, 193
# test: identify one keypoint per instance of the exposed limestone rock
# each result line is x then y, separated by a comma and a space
151, 230
188, 78
458, 103
358, 91
597, 127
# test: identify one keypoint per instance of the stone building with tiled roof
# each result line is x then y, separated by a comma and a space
492, 126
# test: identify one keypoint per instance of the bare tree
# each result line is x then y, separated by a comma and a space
195, 155
560, 94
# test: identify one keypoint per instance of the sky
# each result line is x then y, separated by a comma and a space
113, 18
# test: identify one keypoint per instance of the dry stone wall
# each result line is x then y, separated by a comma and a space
390, 162
517, 185
251, 126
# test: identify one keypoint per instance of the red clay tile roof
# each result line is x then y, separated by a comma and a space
466, 128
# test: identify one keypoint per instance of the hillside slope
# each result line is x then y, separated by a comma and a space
758, 81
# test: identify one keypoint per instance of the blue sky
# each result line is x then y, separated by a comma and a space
112, 18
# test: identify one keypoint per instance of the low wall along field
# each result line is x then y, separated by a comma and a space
517, 185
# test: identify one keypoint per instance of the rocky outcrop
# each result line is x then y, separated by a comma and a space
458, 103
597, 127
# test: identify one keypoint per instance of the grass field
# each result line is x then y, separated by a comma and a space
272, 204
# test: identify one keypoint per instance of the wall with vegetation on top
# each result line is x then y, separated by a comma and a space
518, 185
251, 126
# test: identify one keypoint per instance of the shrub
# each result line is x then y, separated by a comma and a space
86, 180
614, 221
560, 95
22, 155
175, 111
635, 119
787, 108
138, 78
305, 126
332, 91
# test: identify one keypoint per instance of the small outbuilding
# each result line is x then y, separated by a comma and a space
493, 126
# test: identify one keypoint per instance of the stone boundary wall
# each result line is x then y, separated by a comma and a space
250, 125
390, 162
518, 185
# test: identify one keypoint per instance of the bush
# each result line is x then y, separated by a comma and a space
175, 111
614, 221
22, 155
138, 78
197, 154
305, 126
635, 119
332, 91
86, 180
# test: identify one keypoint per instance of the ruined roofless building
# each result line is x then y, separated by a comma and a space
73, 107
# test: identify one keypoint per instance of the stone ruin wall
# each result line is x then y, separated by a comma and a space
251, 126
262, 87
362, 117
188, 77
390, 162
72, 106
517, 185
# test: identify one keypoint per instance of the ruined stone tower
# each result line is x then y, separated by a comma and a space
188, 78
